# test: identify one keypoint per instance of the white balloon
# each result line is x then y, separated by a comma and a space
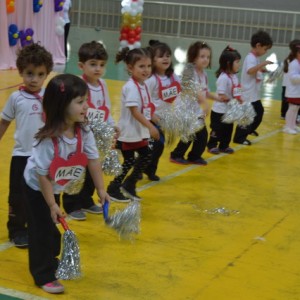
140, 2
125, 3
130, 47
134, 5
133, 12
59, 30
123, 43
137, 45
60, 21
140, 9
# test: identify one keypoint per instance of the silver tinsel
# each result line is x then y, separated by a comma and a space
277, 74
104, 135
243, 113
111, 164
125, 222
69, 265
221, 211
75, 186
181, 120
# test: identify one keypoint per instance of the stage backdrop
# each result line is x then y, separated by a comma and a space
46, 25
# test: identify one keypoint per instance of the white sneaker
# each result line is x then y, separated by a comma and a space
289, 130
297, 129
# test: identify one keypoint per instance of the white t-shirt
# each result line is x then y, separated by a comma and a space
27, 110
43, 154
293, 82
66, 8
224, 87
153, 86
131, 129
98, 100
251, 83
285, 79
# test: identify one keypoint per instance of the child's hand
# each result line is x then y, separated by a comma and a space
117, 132
222, 98
56, 212
154, 133
103, 196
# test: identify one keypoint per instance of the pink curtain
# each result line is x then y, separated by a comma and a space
43, 23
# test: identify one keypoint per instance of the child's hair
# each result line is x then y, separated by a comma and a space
261, 37
295, 48
130, 57
59, 93
194, 49
226, 60
36, 55
159, 49
92, 50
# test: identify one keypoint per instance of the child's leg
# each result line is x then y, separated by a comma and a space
17, 217
259, 109
44, 238
225, 136
180, 150
291, 116
199, 145
216, 127
284, 103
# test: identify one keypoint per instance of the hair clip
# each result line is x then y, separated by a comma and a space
62, 87
230, 48
203, 43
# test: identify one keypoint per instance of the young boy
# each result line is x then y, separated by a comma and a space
92, 61
34, 63
251, 80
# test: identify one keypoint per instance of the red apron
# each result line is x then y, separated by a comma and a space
170, 92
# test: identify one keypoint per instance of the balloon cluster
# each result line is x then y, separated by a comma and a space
58, 5
10, 6
13, 34
37, 4
26, 36
130, 32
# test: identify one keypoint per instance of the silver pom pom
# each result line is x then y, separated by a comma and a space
277, 74
75, 186
111, 164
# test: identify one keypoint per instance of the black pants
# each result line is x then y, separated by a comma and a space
67, 29
242, 132
220, 135
157, 150
198, 146
139, 164
82, 200
44, 237
284, 103
17, 217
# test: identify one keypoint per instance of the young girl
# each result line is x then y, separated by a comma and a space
199, 54
292, 93
135, 126
164, 86
228, 87
62, 150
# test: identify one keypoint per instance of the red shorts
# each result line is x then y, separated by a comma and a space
135, 145
294, 101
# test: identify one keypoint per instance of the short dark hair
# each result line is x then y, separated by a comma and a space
226, 60
92, 50
261, 37
36, 55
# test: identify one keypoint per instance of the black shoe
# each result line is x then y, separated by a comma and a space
200, 161
153, 177
140, 176
115, 193
20, 241
129, 191
245, 142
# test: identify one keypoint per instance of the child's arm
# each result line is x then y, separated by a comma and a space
140, 117
259, 67
95, 169
47, 191
3, 127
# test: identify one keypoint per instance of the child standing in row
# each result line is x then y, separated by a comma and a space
292, 93
228, 87
62, 145
135, 122
34, 63
251, 80
198, 54
164, 86
92, 61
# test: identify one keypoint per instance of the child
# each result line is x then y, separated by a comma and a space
164, 86
227, 88
135, 126
61, 151
92, 61
34, 63
292, 87
199, 54
251, 80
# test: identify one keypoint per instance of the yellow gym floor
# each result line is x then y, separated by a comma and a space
184, 250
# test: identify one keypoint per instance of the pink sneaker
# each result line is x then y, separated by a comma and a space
54, 287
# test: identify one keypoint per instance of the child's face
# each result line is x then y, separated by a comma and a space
34, 77
141, 70
236, 66
261, 50
77, 109
93, 69
162, 62
203, 59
